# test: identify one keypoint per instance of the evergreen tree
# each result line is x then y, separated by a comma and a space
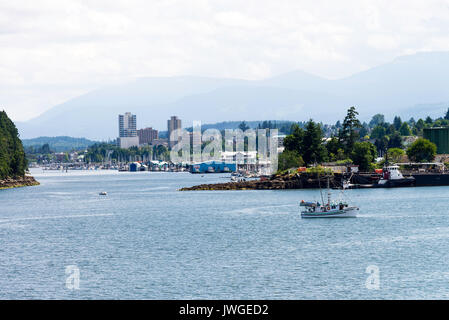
395, 141
420, 125
243, 126
397, 122
293, 142
313, 150
404, 130
348, 134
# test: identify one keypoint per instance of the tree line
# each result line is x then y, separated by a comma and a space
359, 143
12, 155
102, 152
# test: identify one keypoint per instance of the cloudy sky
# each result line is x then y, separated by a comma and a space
51, 51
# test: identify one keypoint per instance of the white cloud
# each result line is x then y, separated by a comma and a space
53, 50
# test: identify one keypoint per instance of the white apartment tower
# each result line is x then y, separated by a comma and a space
127, 131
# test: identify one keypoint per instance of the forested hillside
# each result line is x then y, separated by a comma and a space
12, 156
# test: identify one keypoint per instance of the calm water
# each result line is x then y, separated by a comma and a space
146, 240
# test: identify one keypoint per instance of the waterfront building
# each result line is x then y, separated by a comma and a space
127, 131
147, 135
173, 124
213, 167
439, 136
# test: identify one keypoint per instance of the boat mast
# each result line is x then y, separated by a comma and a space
321, 191
328, 192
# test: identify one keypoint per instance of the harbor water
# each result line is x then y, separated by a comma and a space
147, 240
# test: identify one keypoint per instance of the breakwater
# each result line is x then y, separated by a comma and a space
275, 182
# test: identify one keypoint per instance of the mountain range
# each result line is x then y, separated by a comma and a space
414, 85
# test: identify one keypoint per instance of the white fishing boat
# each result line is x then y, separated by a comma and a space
336, 209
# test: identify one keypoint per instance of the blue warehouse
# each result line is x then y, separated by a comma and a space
213, 167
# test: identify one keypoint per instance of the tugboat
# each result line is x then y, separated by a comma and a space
392, 177
331, 209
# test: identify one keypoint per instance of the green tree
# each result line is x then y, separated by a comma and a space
376, 120
348, 134
397, 122
429, 120
45, 149
378, 132
382, 145
422, 150
420, 124
334, 149
289, 159
13, 162
395, 154
293, 142
313, 150
391, 129
404, 130
395, 141
363, 155
243, 126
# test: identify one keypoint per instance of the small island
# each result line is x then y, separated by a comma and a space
13, 163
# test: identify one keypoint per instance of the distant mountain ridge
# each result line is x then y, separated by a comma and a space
408, 86
59, 144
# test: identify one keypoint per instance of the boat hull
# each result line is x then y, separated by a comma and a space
350, 212
396, 183
431, 179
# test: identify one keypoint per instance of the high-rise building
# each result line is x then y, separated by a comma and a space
127, 131
127, 125
147, 135
173, 124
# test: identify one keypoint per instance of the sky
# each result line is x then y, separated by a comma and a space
54, 50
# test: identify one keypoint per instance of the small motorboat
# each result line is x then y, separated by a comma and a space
103, 193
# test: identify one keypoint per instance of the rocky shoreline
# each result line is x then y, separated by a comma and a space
275, 182
25, 181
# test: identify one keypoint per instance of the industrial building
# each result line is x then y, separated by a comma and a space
439, 136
